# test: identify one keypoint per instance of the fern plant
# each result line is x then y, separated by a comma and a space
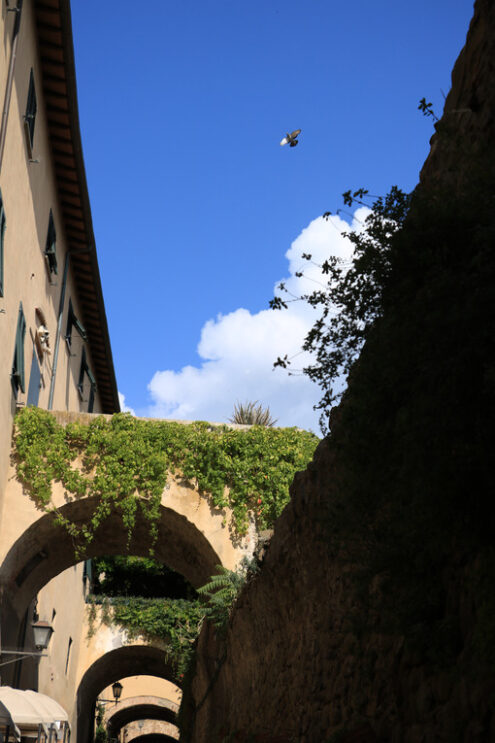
222, 590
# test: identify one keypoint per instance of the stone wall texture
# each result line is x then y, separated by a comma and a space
309, 654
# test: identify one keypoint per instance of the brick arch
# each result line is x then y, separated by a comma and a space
135, 660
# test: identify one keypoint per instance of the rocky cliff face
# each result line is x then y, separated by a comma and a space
372, 617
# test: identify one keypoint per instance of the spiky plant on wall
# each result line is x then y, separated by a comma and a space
252, 414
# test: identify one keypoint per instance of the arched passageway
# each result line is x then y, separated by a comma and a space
150, 731
139, 708
152, 738
45, 549
132, 659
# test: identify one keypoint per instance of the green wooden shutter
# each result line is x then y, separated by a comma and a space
74, 322
34, 381
31, 108
82, 370
18, 374
50, 248
85, 370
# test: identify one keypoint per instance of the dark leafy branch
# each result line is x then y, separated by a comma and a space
352, 298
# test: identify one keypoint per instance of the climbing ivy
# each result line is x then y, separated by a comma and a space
125, 462
176, 622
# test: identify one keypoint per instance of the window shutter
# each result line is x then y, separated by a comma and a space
82, 370
74, 322
79, 327
50, 247
34, 381
18, 375
31, 108
92, 382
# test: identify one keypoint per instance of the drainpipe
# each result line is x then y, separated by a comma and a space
59, 329
10, 77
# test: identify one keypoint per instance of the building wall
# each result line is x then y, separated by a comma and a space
62, 603
29, 192
142, 686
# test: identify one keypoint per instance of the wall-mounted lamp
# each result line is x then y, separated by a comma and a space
117, 691
42, 633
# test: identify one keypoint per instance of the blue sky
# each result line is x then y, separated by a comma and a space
195, 205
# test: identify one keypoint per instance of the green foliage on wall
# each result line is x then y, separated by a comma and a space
222, 590
125, 463
176, 622
119, 575
101, 734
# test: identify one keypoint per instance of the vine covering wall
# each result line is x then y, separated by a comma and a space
125, 462
174, 622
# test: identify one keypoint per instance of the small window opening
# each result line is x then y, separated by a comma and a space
50, 247
68, 656
30, 115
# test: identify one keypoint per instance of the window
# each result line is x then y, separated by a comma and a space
88, 572
67, 659
50, 247
73, 322
18, 378
34, 381
30, 115
2, 233
82, 385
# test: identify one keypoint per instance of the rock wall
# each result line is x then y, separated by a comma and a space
372, 617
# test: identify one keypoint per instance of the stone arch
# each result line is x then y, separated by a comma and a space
150, 731
131, 659
140, 708
152, 738
45, 549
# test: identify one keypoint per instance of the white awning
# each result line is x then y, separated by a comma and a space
27, 710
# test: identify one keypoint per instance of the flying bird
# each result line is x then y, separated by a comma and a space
291, 139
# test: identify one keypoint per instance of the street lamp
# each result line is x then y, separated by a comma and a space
42, 633
117, 691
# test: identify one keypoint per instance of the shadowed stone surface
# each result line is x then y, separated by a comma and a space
308, 657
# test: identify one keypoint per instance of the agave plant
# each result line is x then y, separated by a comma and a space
252, 414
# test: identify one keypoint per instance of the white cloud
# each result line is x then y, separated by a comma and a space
238, 349
123, 406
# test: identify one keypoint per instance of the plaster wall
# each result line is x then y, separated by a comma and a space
96, 639
144, 686
213, 523
62, 603
29, 192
